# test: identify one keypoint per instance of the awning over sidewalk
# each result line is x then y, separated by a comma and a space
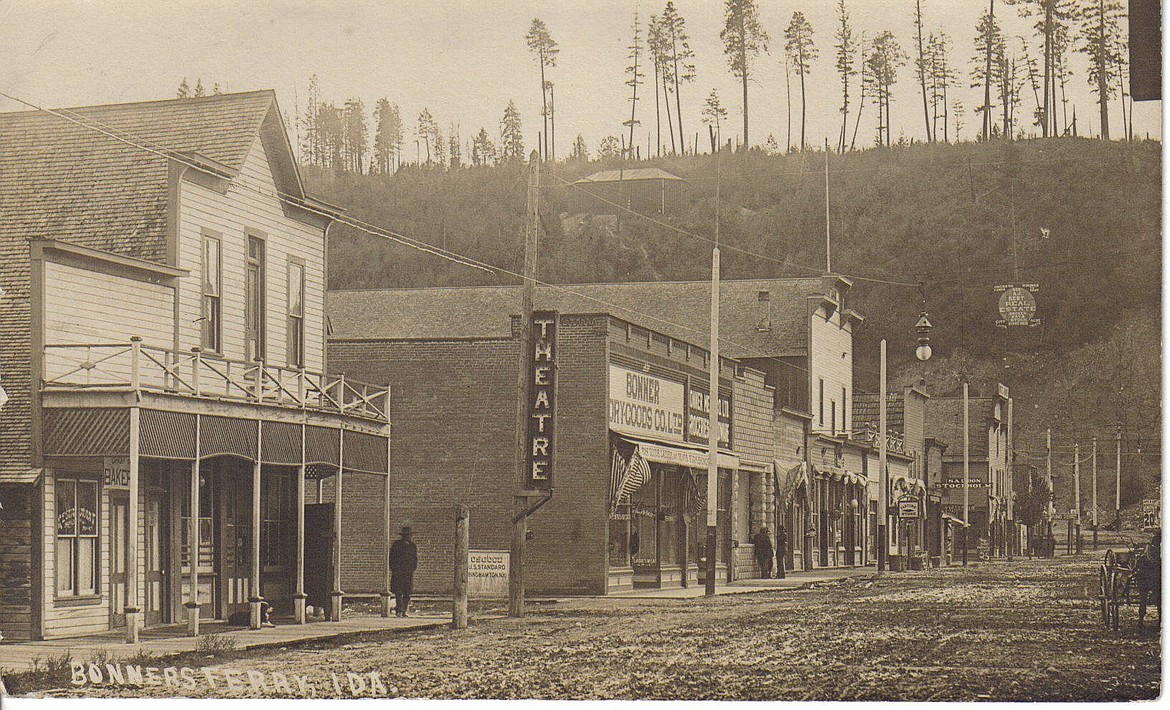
676, 455
952, 520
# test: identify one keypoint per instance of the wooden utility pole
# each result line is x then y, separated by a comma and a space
1012, 537
1094, 493
1117, 496
828, 243
1077, 491
462, 540
1051, 485
713, 409
883, 540
966, 472
520, 518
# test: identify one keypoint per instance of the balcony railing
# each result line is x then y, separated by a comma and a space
136, 366
895, 442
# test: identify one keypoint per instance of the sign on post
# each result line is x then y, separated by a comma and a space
487, 574
542, 400
908, 507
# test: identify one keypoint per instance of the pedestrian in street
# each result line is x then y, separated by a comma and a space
781, 550
403, 561
1147, 572
764, 553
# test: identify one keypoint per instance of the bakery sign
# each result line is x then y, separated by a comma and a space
644, 405
541, 400
116, 472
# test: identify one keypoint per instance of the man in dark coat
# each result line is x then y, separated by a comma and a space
403, 561
764, 553
781, 550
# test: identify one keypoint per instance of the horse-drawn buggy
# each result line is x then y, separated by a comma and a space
1128, 578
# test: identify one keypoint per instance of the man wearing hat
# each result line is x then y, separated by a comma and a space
403, 560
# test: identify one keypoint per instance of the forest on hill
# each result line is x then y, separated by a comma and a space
1079, 218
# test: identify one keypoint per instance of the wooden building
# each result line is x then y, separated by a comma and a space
173, 449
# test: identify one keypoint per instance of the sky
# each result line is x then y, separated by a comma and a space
465, 60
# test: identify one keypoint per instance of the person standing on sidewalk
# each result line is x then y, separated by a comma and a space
764, 553
403, 561
781, 550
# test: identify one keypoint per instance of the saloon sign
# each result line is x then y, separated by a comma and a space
542, 400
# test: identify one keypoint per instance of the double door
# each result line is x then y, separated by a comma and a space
156, 598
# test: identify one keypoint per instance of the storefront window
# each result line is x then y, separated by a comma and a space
668, 505
206, 546
77, 532
644, 524
619, 537
276, 523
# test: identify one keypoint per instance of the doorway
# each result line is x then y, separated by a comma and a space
157, 530
318, 554
119, 526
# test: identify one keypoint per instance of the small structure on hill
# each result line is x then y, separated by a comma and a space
645, 190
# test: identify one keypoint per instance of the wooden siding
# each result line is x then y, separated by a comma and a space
232, 215
828, 341
87, 306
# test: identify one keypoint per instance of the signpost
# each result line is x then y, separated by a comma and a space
908, 507
1017, 305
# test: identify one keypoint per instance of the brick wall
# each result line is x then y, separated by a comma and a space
16, 562
567, 553
363, 548
453, 414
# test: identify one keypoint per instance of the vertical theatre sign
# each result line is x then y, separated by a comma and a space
542, 400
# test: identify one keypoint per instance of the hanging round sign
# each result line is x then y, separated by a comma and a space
1017, 307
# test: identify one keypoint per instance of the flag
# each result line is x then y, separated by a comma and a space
626, 476
694, 499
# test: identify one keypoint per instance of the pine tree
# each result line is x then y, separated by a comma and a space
387, 134
199, 90
986, 62
1100, 41
656, 46
580, 150
511, 134
483, 150
798, 44
846, 65
544, 51
713, 115
941, 76
884, 60
679, 56
184, 91
743, 39
424, 132
921, 65
610, 147
1051, 21
454, 148
311, 143
635, 80
356, 135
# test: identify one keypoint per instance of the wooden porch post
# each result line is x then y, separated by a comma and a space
336, 595
299, 595
133, 613
193, 539
256, 600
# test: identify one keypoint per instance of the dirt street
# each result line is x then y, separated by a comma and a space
1022, 631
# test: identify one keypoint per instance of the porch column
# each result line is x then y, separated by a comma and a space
299, 595
336, 595
193, 539
256, 600
133, 613
386, 524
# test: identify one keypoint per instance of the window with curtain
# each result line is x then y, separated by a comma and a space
296, 314
77, 534
212, 320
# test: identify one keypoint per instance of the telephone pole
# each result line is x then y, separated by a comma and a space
1077, 491
520, 518
883, 481
1051, 485
1117, 496
713, 409
966, 471
1094, 493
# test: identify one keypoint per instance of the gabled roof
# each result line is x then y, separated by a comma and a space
750, 325
628, 175
64, 181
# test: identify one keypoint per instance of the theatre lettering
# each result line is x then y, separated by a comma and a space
542, 399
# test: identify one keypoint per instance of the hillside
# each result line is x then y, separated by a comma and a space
1086, 215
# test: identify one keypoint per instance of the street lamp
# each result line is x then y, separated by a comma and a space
923, 328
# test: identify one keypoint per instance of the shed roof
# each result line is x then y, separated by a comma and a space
751, 325
85, 175
629, 175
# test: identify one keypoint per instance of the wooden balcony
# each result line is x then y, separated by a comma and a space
137, 367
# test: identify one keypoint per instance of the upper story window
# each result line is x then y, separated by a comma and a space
821, 405
212, 317
254, 300
296, 313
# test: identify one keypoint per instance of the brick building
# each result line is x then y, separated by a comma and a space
163, 344
626, 395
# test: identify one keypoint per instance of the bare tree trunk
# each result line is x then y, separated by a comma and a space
669, 123
657, 112
990, 42
1102, 70
788, 94
922, 70
544, 106
803, 143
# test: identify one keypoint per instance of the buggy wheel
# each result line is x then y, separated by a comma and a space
1110, 559
1103, 593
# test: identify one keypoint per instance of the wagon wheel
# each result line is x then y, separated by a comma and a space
1103, 594
1110, 559
1117, 594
